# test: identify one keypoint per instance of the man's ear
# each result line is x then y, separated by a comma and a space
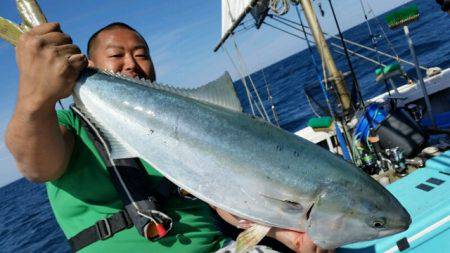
90, 63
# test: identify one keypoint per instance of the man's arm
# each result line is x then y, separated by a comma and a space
49, 65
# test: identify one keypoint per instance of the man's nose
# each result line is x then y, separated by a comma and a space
129, 66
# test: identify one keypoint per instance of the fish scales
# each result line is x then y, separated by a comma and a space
203, 142
240, 164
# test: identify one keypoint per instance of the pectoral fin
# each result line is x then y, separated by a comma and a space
285, 204
250, 237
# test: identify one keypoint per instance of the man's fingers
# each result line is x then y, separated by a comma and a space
244, 224
78, 62
45, 28
320, 250
55, 38
68, 49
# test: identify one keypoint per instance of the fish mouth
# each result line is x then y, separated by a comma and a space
390, 232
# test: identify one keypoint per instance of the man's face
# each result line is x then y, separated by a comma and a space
122, 50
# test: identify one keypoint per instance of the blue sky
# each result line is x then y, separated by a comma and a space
181, 35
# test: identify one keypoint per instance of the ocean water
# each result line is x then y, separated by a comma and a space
27, 223
287, 77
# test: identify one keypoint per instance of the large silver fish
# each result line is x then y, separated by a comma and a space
240, 164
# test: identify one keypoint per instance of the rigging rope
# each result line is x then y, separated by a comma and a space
242, 77
332, 44
397, 58
244, 68
352, 53
241, 71
269, 97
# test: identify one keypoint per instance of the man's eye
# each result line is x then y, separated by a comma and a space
115, 56
143, 56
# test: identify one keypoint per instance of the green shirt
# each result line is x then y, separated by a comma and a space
85, 194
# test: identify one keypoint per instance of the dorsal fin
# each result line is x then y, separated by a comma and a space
219, 92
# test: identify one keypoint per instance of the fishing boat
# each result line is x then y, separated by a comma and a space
404, 149
400, 137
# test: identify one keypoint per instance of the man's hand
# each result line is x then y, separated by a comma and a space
298, 242
49, 65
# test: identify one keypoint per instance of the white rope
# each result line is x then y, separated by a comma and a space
353, 53
396, 57
245, 69
269, 97
244, 82
242, 77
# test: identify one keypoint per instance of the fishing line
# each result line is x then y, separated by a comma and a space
380, 26
374, 44
349, 62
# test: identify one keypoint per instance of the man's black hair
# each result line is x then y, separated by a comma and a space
91, 41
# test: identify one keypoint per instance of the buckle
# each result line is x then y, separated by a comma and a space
100, 231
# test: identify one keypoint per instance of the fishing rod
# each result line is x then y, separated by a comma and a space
364, 108
319, 77
347, 57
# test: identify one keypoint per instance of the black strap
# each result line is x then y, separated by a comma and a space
131, 181
101, 230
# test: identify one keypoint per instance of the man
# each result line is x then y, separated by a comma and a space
53, 147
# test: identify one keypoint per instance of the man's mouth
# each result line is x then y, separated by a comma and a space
134, 75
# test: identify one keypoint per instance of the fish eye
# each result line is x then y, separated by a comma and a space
378, 223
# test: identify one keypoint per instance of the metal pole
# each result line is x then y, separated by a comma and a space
338, 79
419, 75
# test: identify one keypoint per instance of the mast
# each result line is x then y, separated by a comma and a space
325, 53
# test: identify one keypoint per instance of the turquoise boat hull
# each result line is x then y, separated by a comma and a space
425, 193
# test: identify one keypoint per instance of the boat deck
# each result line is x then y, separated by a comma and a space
425, 194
